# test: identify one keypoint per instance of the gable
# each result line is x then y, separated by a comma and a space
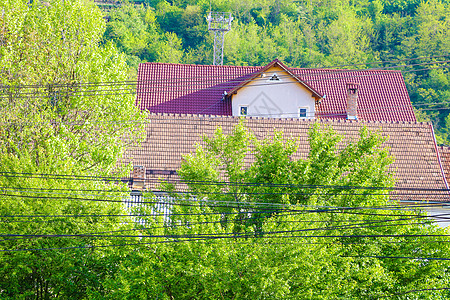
274, 66
273, 93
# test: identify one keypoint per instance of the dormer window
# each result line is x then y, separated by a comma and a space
274, 77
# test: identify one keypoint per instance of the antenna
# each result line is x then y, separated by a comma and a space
220, 24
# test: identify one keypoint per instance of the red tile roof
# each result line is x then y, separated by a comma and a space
444, 152
199, 89
416, 167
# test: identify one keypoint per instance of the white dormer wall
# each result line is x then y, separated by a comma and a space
274, 98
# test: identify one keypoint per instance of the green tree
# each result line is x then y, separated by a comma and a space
52, 70
57, 117
222, 159
430, 24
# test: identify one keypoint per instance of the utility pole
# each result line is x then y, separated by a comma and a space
219, 23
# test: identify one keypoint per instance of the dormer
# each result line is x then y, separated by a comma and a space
274, 92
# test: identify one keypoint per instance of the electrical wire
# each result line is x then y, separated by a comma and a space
230, 84
217, 204
49, 176
243, 193
265, 234
282, 115
360, 225
200, 78
189, 238
189, 224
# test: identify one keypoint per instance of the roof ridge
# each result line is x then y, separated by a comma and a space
196, 65
375, 121
383, 93
332, 120
349, 70
273, 61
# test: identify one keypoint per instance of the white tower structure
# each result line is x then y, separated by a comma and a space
219, 23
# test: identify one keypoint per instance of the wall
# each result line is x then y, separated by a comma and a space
440, 214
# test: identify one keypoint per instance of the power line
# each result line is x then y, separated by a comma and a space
35, 219
228, 204
244, 192
62, 176
388, 61
199, 78
165, 200
230, 83
278, 221
50, 176
292, 211
282, 115
364, 225
246, 235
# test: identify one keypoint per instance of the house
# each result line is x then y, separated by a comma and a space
273, 91
186, 102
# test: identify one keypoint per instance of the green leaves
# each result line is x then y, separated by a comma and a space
58, 117
244, 170
52, 52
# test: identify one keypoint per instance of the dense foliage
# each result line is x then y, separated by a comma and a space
310, 34
52, 123
291, 231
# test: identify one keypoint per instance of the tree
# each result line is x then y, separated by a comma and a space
222, 159
136, 31
60, 114
54, 94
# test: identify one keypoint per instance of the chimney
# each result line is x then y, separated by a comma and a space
138, 177
352, 101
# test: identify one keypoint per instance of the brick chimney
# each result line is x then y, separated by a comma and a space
138, 178
352, 101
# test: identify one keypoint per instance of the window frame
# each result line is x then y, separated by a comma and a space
299, 114
240, 110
